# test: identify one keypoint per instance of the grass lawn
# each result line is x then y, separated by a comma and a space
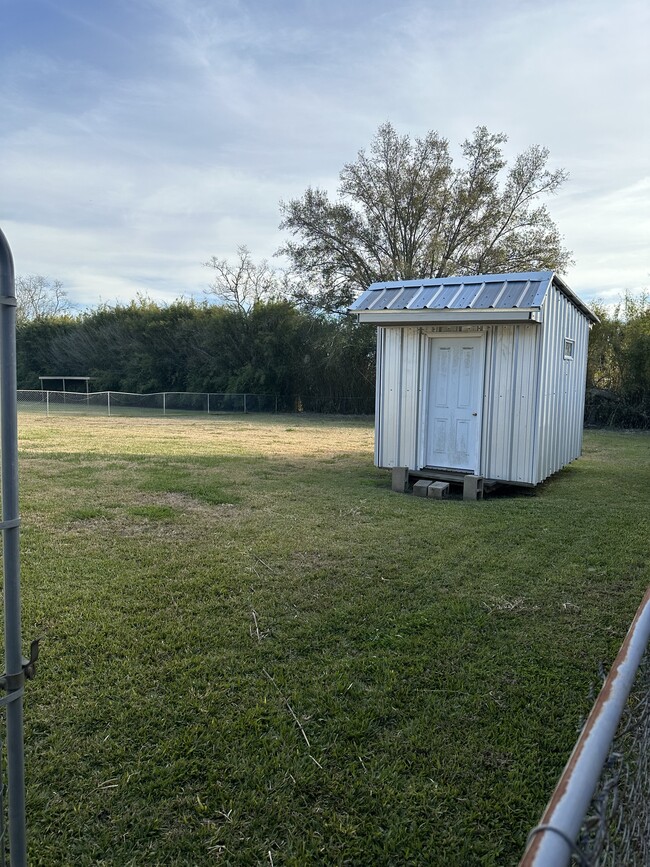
256, 653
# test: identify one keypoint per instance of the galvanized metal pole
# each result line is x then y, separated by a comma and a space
11, 556
3, 842
552, 842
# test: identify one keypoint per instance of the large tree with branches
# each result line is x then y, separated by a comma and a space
405, 212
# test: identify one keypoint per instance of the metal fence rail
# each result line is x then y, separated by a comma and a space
112, 403
599, 813
616, 829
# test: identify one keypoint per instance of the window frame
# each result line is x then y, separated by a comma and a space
569, 349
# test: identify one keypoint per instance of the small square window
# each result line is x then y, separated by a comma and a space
569, 346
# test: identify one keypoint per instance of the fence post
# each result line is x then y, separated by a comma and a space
47, 404
164, 404
208, 403
108, 401
245, 405
3, 841
14, 672
276, 404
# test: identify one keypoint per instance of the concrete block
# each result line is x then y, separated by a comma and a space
400, 479
438, 490
421, 488
473, 488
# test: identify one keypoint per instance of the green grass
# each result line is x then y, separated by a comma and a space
199, 583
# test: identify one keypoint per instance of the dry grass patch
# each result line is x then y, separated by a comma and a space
268, 436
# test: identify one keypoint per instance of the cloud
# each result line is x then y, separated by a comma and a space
610, 239
143, 137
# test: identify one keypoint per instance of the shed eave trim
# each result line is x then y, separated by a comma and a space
451, 317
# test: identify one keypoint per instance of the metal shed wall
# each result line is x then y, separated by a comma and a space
561, 385
509, 398
510, 403
399, 372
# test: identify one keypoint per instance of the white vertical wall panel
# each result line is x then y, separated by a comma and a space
562, 385
399, 352
409, 396
389, 400
510, 398
524, 432
379, 396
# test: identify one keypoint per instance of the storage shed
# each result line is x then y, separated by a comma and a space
481, 375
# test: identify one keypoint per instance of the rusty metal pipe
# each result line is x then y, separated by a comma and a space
552, 842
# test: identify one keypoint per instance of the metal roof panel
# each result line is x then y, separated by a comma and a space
474, 292
513, 294
467, 296
488, 294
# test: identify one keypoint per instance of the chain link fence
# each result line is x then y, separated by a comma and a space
599, 813
616, 829
118, 403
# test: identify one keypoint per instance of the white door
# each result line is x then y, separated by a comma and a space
455, 400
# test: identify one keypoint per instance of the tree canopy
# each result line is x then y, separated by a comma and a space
321, 363
618, 370
405, 212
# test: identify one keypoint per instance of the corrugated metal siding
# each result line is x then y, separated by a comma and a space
379, 395
562, 386
507, 439
410, 396
510, 394
388, 403
398, 396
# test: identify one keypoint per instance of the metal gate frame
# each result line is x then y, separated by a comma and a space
552, 842
16, 667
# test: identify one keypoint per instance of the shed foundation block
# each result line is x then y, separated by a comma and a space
438, 490
421, 488
400, 479
473, 488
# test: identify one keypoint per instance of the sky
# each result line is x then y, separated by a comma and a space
139, 138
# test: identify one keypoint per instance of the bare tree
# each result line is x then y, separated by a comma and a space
38, 297
240, 285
